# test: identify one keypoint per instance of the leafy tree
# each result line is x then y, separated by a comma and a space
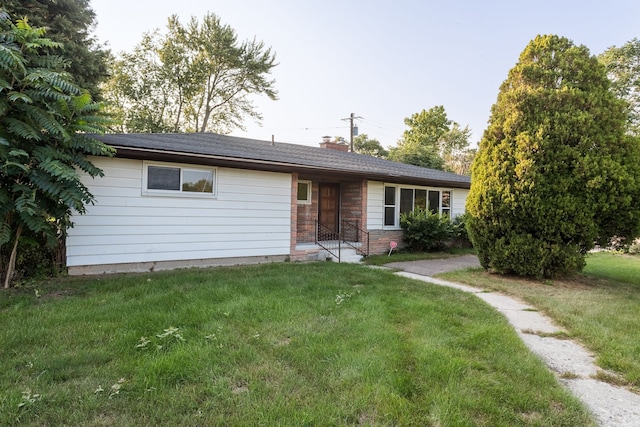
371, 147
137, 94
69, 22
454, 150
623, 68
554, 172
44, 122
461, 161
192, 78
432, 140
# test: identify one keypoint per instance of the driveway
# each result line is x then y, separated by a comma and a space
432, 267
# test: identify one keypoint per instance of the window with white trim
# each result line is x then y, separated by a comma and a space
400, 199
304, 192
178, 180
390, 207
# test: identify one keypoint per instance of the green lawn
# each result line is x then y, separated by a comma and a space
599, 307
616, 267
282, 344
402, 256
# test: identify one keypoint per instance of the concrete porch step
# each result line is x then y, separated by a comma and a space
348, 255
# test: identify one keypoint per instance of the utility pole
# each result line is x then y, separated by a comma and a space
351, 118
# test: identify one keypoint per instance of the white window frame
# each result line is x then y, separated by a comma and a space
178, 193
398, 192
307, 200
395, 206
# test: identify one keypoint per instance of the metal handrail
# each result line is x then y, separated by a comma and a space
352, 233
327, 239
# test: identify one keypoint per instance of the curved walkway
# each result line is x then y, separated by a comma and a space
573, 365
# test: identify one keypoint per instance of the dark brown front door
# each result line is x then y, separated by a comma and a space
329, 211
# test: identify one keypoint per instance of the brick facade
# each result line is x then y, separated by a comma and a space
353, 207
353, 202
379, 240
306, 216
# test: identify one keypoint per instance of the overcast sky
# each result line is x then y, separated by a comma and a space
381, 60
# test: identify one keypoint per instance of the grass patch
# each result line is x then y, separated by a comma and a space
618, 267
610, 378
281, 344
598, 307
402, 256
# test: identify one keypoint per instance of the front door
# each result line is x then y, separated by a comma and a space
329, 207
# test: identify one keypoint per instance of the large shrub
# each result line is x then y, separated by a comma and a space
554, 172
425, 231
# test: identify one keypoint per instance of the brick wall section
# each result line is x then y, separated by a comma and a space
303, 222
351, 208
306, 216
379, 240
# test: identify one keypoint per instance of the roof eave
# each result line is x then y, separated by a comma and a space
273, 166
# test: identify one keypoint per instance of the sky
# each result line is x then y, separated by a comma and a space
381, 60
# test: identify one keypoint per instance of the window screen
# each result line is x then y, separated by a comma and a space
163, 178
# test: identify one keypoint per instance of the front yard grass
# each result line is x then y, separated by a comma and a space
281, 344
402, 256
599, 307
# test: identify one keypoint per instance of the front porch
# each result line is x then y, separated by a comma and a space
349, 244
329, 219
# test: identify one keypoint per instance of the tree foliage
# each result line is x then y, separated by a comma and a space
44, 122
193, 78
554, 172
623, 68
371, 147
432, 141
69, 22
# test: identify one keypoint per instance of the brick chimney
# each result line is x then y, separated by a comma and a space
333, 145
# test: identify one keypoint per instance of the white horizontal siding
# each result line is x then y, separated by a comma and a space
458, 201
250, 216
375, 205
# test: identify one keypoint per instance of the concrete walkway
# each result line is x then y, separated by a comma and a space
431, 267
573, 365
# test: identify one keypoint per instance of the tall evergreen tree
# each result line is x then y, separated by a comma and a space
71, 23
554, 173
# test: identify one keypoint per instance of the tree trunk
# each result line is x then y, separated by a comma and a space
11, 265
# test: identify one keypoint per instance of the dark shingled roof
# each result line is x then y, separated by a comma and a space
214, 149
